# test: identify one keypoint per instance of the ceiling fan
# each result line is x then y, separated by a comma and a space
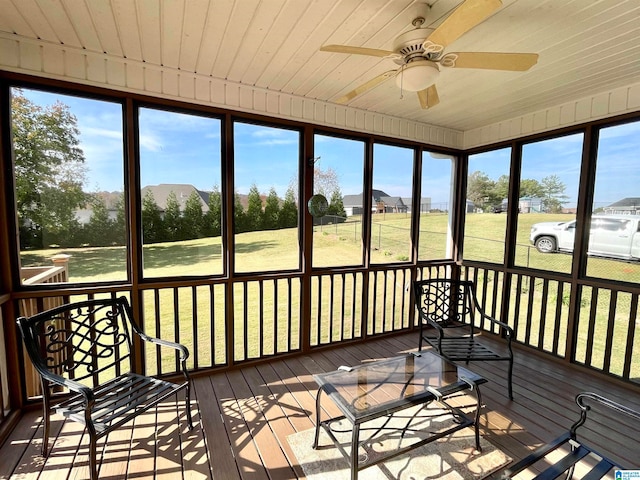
420, 53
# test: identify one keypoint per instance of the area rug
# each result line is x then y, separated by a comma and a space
452, 457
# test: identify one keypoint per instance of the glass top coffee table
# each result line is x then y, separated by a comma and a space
381, 388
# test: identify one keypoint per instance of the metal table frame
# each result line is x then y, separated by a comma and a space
465, 380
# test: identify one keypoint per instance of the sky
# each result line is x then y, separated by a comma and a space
186, 148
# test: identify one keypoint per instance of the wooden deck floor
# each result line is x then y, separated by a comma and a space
244, 417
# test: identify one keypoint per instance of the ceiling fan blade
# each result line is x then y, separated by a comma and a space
375, 81
516, 62
463, 19
374, 52
428, 97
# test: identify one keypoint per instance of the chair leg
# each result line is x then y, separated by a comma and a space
93, 461
45, 419
188, 404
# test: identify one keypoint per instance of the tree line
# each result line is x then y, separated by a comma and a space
487, 193
172, 224
50, 173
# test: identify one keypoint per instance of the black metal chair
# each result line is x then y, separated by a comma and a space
86, 349
449, 319
575, 450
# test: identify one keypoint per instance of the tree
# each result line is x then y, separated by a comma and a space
100, 229
192, 219
213, 218
171, 220
553, 193
49, 168
120, 225
531, 188
336, 206
271, 210
501, 188
325, 182
239, 216
152, 226
288, 216
481, 190
254, 209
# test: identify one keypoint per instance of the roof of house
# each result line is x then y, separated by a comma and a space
182, 192
356, 200
423, 201
396, 201
627, 202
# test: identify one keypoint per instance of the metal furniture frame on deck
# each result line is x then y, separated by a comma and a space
381, 388
576, 450
447, 306
86, 349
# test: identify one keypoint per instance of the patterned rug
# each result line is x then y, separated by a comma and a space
452, 457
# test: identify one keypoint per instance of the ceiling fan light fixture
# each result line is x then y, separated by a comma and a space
417, 75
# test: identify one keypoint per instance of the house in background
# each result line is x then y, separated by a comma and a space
425, 204
353, 204
388, 204
160, 194
530, 205
110, 199
626, 206
381, 202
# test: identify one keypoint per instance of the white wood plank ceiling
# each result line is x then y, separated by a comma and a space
585, 47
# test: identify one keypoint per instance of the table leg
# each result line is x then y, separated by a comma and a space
355, 437
315, 440
477, 417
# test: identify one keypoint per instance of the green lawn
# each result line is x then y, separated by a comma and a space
334, 245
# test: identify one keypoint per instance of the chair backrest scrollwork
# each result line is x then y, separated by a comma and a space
445, 301
89, 341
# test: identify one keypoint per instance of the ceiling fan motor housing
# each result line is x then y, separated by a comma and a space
411, 46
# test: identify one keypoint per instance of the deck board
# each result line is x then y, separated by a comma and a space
243, 418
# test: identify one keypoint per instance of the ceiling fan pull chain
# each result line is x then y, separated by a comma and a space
401, 82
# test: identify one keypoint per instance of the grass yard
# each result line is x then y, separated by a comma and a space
260, 307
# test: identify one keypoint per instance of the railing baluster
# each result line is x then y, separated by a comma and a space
245, 320
212, 324
528, 320
194, 325
592, 325
558, 319
342, 306
176, 323
354, 296
156, 299
330, 317
631, 332
516, 310
260, 326
542, 318
613, 306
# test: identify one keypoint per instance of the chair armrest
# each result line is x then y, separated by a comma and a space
184, 352
584, 408
72, 385
508, 330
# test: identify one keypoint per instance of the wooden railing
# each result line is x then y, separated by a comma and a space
230, 321
603, 334
57, 273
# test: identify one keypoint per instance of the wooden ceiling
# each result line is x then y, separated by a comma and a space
585, 47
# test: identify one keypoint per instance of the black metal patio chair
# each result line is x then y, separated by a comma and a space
86, 349
449, 319
560, 457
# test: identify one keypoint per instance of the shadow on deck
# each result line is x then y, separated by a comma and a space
243, 417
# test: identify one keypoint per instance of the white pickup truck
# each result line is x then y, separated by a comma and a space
613, 236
